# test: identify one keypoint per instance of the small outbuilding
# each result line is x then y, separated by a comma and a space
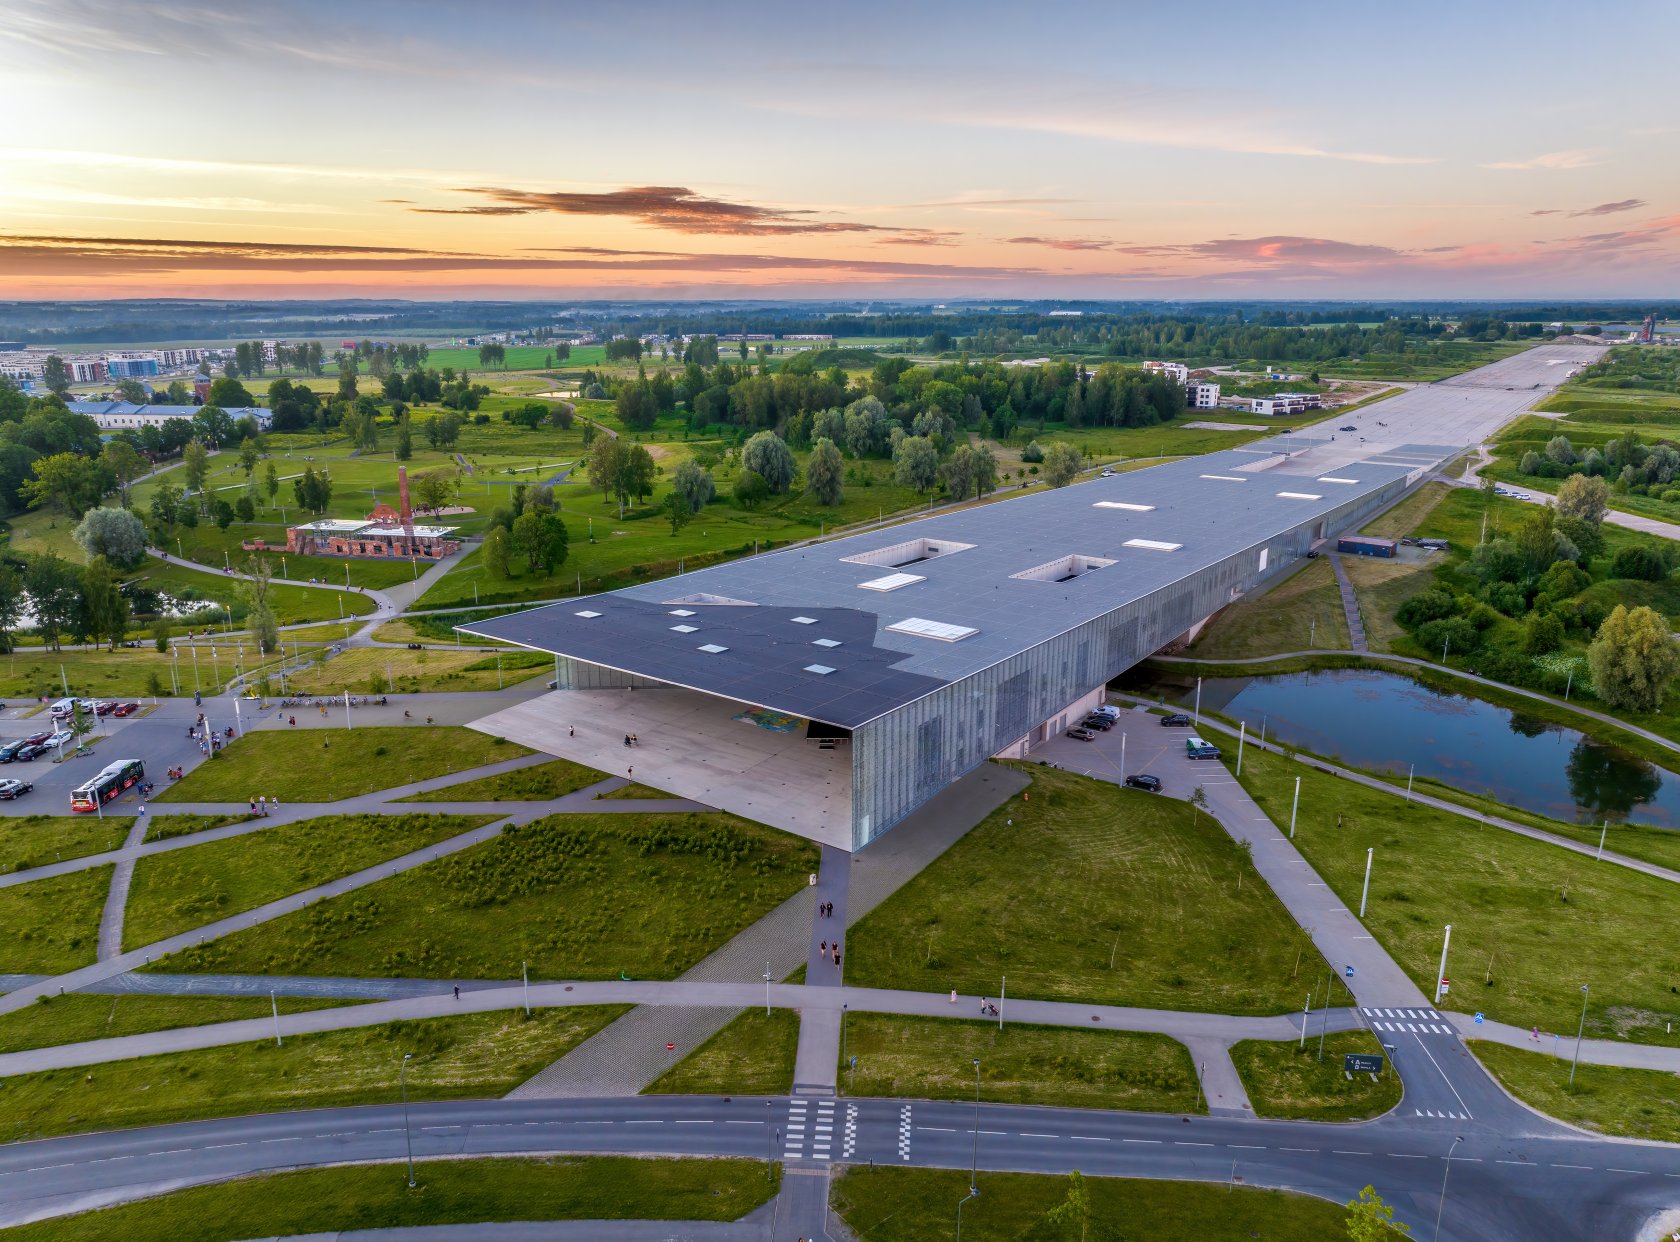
1365, 545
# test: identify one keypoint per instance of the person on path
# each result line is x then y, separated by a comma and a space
253, 806
627, 741
572, 731
457, 991
635, 740
262, 806
1535, 1034
824, 949
837, 957
629, 771
275, 803
292, 720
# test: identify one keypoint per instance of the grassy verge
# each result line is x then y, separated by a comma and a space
753, 1055
162, 827
82, 1016
1092, 893
911, 1205
325, 765
35, 840
186, 888
1304, 611
1530, 922
575, 896
1634, 1103
933, 1059
450, 1192
537, 783
1403, 518
51, 926
383, 670
1380, 587
1286, 1080
471, 1055
634, 790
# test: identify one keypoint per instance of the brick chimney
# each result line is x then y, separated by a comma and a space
405, 513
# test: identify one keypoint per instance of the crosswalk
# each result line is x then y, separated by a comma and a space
1416, 1021
848, 1138
904, 1132
1442, 1113
814, 1142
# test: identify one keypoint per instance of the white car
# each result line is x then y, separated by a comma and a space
63, 737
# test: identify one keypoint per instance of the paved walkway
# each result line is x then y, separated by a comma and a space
552, 1231
1350, 606
116, 898
1593, 1051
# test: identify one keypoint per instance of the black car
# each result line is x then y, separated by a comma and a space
1175, 721
15, 789
1098, 722
1144, 781
9, 751
1347, 428
28, 751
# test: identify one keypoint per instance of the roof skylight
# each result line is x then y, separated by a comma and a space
684, 629
824, 669
825, 642
910, 552
891, 582
713, 648
1300, 496
1063, 569
1226, 478
682, 612
1330, 478
921, 627
1153, 545
804, 620
1121, 504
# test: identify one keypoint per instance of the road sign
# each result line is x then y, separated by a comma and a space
670, 1047
1478, 1019
1445, 985
1362, 1063
1350, 972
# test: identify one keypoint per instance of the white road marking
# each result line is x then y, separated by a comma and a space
1156, 1141
1406, 1155
1024, 1134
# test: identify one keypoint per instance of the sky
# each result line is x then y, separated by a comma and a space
425, 149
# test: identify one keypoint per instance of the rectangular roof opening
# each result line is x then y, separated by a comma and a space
825, 642
1153, 545
1300, 496
910, 552
1063, 569
1121, 504
921, 627
823, 669
803, 620
891, 582
713, 648
1226, 478
684, 629
1330, 478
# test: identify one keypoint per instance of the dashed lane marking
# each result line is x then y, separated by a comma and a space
1244, 1147
1025, 1134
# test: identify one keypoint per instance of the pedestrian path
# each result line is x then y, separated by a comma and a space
1350, 606
116, 898
809, 1132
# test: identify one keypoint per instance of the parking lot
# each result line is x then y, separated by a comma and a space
159, 740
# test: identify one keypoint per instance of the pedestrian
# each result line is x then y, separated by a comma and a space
457, 991
627, 741
1535, 1034
275, 803
572, 732
292, 720
262, 806
142, 808
253, 806
629, 771
836, 957
824, 949
635, 740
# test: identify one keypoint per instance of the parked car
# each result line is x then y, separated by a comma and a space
1081, 734
1195, 748
105, 709
1107, 473
1106, 709
1102, 723
62, 738
14, 789
9, 751
29, 750
1144, 781
1176, 721
125, 709
1350, 427
63, 709
37, 738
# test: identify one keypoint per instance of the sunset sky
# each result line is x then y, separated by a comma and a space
1208, 150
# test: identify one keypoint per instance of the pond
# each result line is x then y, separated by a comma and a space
1387, 722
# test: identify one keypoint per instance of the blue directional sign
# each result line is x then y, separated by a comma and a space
1478, 1019
1350, 972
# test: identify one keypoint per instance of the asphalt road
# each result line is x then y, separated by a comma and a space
1550, 1184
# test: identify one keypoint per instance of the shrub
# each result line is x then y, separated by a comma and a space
1454, 633
1431, 605
1543, 634
1643, 563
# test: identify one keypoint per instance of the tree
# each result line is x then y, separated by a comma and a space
245, 509
228, 393
1633, 659
1371, 1220
768, 456
195, 460
1062, 463
915, 463
160, 634
223, 513
677, 510
249, 456
1071, 1218
124, 462
133, 391
750, 489
1542, 633
1583, 497
54, 588
541, 538
495, 553
491, 353
271, 483
604, 457
405, 439
115, 534
69, 482
825, 474
11, 604
55, 374
261, 620
634, 475
434, 488
104, 606
694, 483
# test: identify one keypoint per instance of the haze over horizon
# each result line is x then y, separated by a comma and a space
424, 150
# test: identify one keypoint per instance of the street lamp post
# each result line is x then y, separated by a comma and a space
974, 1165
1579, 1031
407, 1139
972, 1194
1198, 701
766, 989
1366, 891
1441, 975
1443, 1204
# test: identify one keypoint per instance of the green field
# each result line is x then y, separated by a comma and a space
1300, 613
573, 896
80, 1016
518, 358
1632, 1103
471, 1055
186, 888
1288, 1079
753, 1055
449, 1192
34, 840
537, 783
933, 1059
324, 765
387, 670
1531, 922
51, 926
914, 1205
1093, 893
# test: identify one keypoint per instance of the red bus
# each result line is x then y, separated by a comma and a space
121, 775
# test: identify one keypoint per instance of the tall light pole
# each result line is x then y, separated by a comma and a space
766, 989
1443, 1205
1366, 891
407, 1139
972, 1194
1293, 807
974, 1166
1441, 975
1579, 1031
1198, 701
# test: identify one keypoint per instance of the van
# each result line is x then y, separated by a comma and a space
1195, 748
64, 709
1106, 709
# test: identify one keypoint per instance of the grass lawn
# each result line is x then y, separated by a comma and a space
1403, 518
186, 888
127, 673
753, 1055
293, 605
35, 840
912, 1205
79, 1016
51, 926
1538, 920
325, 765
384, 670
162, 827
1285, 1080
436, 629
933, 1059
634, 790
576, 896
450, 1192
533, 784
1304, 611
1088, 875
1380, 587
209, 545
1634, 1103
473, 1055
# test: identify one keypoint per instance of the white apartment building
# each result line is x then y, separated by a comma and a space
1285, 403
1175, 370
1201, 395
